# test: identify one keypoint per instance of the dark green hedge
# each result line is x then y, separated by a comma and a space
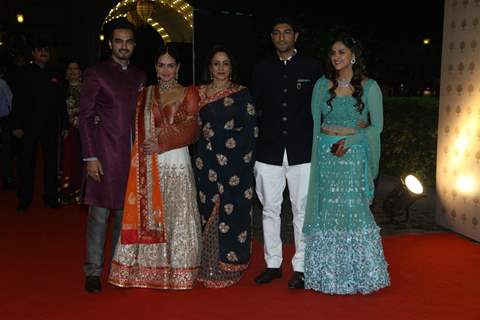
409, 138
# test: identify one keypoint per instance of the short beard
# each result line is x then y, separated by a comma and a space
121, 56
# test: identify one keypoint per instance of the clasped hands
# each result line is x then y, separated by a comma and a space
168, 115
338, 148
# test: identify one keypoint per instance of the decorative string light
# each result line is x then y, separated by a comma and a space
20, 18
122, 8
180, 6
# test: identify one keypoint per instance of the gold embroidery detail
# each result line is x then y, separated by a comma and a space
248, 193
134, 161
234, 181
216, 198
242, 237
132, 199
248, 157
228, 208
231, 143
222, 160
232, 256
223, 227
207, 131
203, 198
227, 102
229, 125
199, 163
212, 175
250, 109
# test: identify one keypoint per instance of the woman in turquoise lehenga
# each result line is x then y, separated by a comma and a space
344, 253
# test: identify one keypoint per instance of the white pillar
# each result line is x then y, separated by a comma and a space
458, 149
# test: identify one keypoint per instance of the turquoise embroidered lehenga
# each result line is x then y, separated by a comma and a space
344, 253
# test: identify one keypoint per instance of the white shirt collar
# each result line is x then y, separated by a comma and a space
289, 58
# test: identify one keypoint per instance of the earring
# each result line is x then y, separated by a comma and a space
211, 76
353, 61
230, 77
176, 76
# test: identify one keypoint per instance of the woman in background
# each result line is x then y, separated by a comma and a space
71, 159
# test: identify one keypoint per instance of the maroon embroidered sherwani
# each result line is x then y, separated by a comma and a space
107, 111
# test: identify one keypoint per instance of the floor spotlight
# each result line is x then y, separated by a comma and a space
402, 197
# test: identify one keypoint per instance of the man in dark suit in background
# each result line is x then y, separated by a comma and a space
39, 113
6, 168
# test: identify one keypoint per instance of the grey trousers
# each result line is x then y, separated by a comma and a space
97, 226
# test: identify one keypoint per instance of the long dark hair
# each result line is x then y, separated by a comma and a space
359, 72
69, 62
208, 61
74, 60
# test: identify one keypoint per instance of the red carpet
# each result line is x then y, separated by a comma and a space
433, 277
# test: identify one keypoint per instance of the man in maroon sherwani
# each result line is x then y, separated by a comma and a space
107, 110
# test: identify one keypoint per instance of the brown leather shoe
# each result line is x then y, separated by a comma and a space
297, 281
268, 275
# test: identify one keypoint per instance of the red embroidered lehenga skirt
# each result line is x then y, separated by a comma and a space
174, 263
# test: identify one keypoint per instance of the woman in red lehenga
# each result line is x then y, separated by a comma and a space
159, 246
71, 161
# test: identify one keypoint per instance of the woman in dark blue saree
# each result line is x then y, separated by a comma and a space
223, 164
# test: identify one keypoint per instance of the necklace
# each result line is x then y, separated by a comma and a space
343, 83
221, 87
166, 85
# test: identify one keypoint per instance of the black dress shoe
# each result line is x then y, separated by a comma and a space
92, 284
268, 275
297, 281
52, 204
22, 207
9, 183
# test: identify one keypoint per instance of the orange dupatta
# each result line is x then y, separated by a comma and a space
143, 218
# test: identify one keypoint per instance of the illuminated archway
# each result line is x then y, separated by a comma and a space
172, 19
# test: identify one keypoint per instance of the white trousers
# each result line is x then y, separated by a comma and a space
270, 184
